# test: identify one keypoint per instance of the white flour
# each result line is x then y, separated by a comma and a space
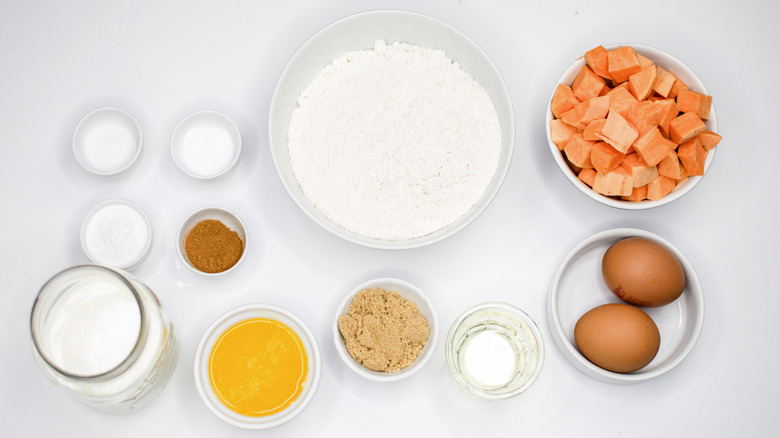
394, 143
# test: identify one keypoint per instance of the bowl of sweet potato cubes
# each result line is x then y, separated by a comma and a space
631, 126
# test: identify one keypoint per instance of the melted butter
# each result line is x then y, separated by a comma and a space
258, 367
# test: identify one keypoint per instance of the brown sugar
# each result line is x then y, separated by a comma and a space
212, 247
383, 331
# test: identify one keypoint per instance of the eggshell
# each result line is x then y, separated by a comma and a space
643, 272
617, 337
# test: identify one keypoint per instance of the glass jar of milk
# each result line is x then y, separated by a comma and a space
102, 336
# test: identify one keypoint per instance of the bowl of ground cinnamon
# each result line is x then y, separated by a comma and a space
386, 329
211, 240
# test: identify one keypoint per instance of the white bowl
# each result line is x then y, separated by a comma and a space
523, 341
227, 217
358, 32
116, 233
205, 144
409, 292
667, 62
578, 286
227, 320
107, 141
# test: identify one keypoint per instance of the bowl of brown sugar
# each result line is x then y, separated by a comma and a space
386, 329
211, 240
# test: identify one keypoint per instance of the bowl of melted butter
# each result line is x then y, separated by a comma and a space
257, 366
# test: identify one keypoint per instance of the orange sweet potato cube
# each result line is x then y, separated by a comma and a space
563, 100
668, 112
660, 187
689, 101
676, 87
587, 84
641, 83
663, 82
578, 149
619, 182
570, 118
622, 63
685, 126
590, 132
620, 99
596, 58
644, 116
587, 176
709, 140
671, 167
604, 157
592, 109
560, 132
638, 194
692, 156
653, 147
641, 172
618, 132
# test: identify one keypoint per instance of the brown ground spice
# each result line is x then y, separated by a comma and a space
383, 331
212, 247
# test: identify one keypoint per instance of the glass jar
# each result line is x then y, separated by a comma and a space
102, 336
494, 351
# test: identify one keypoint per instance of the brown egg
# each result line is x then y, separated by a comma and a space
643, 272
617, 337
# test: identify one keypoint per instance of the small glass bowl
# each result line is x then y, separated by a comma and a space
522, 337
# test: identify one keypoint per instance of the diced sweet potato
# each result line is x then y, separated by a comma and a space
641, 172
616, 183
660, 187
570, 118
622, 62
676, 87
587, 176
692, 156
560, 132
596, 58
684, 127
644, 61
644, 116
592, 109
641, 83
578, 149
653, 147
563, 100
663, 82
587, 84
708, 139
618, 132
670, 167
668, 113
620, 99
604, 157
638, 194
689, 101
590, 132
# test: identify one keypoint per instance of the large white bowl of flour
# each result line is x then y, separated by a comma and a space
391, 129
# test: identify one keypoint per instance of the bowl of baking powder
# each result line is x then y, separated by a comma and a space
391, 129
116, 233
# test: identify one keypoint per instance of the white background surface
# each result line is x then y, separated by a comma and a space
163, 60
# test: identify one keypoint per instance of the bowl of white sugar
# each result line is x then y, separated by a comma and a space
391, 129
107, 141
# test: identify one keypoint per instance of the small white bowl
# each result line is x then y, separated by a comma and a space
358, 32
205, 144
116, 233
107, 141
667, 62
409, 292
578, 286
227, 320
227, 217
